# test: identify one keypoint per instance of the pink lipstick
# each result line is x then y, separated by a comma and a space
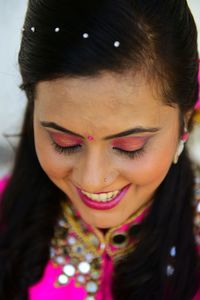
103, 205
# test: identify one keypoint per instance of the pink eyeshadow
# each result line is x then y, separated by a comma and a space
65, 139
130, 143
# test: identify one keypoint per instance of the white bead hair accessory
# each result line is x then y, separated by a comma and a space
85, 35
170, 270
33, 29
173, 251
57, 29
116, 44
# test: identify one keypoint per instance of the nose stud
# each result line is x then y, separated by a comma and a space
110, 177
105, 179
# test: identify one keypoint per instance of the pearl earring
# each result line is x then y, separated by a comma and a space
181, 145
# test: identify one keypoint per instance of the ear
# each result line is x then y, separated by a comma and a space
187, 117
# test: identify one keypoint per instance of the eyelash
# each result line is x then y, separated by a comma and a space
131, 154
73, 149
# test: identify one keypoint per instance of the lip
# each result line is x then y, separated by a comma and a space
103, 205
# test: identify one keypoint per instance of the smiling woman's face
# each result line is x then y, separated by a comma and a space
93, 111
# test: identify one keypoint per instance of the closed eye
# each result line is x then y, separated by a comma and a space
68, 149
131, 154
76, 148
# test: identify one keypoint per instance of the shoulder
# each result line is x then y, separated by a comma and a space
197, 208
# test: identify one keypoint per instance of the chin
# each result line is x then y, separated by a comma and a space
103, 225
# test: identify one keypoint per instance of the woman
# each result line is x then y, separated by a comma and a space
101, 201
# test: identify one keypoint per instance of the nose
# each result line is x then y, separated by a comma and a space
94, 173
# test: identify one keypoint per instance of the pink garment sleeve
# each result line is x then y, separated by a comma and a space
197, 297
3, 183
197, 106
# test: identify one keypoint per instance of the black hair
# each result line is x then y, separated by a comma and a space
158, 38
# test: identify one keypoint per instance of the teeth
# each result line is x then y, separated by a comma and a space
104, 197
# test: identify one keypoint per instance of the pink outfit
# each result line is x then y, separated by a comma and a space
104, 248
84, 243
197, 106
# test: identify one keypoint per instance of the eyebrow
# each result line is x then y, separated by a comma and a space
135, 130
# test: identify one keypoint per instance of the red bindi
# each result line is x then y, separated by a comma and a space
90, 138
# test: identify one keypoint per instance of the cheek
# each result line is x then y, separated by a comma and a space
152, 167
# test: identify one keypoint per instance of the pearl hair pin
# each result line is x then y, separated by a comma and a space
33, 29
170, 268
173, 251
116, 44
85, 34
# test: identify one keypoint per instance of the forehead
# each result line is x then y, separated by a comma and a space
108, 89
96, 100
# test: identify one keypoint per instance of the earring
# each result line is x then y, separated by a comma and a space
181, 145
